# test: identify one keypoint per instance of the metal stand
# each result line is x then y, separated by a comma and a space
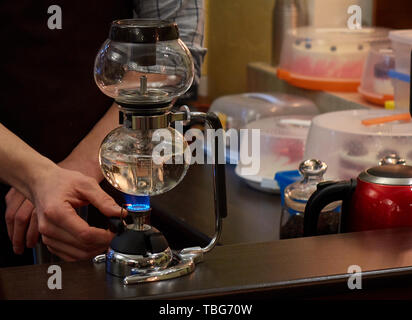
137, 268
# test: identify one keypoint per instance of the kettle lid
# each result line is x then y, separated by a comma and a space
388, 174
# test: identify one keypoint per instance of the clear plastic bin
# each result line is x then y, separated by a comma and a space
376, 85
282, 145
326, 58
237, 110
402, 46
349, 147
401, 83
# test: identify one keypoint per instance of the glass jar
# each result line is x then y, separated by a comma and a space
297, 194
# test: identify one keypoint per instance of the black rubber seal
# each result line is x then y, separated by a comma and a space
143, 31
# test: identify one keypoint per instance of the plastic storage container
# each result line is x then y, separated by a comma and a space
402, 46
239, 109
376, 84
236, 111
297, 194
401, 84
281, 148
327, 59
349, 147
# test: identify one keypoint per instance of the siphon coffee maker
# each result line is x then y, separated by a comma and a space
145, 67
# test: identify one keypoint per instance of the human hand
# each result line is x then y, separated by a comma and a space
56, 192
21, 221
63, 231
56, 195
20, 216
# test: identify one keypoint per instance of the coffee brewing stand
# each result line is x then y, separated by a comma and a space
145, 67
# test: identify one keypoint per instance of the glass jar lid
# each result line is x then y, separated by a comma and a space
297, 194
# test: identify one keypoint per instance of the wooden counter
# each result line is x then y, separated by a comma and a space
252, 262
306, 267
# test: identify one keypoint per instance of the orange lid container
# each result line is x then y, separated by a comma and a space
329, 59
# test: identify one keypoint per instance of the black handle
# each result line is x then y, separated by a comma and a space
326, 193
219, 168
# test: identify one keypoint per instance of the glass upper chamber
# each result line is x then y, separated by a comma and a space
143, 62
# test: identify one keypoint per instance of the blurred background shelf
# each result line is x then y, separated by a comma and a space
261, 77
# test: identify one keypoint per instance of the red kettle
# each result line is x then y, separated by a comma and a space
381, 197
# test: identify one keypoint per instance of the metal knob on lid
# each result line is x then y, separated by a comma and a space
313, 167
297, 194
392, 158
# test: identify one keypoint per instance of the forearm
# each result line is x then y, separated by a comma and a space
21, 166
84, 157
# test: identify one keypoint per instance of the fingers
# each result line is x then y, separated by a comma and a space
60, 254
70, 237
14, 199
68, 252
93, 241
101, 200
21, 224
67, 234
32, 236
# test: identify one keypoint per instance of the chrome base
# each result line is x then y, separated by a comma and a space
138, 269
121, 265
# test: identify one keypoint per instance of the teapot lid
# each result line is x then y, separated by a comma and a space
388, 174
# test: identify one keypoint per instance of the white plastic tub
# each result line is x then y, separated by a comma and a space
349, 147
281, 148
402, 46
401, 89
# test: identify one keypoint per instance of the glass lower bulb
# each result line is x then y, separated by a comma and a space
144, 162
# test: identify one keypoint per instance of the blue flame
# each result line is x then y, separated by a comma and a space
137, 203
